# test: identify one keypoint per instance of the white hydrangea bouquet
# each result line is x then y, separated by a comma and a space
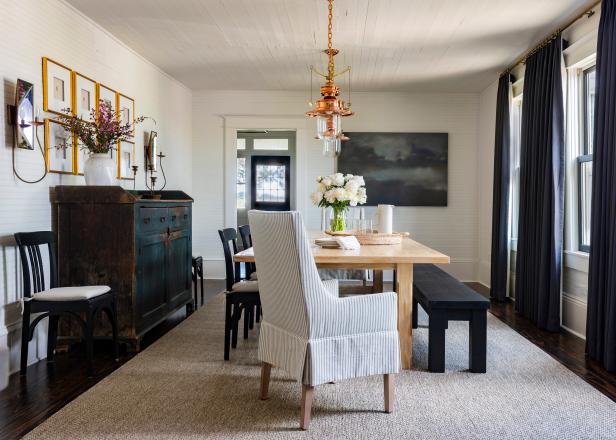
339, 191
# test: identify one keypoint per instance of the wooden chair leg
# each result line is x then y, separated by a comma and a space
25, 339
235, 320
89, 337
228, 318
202, 292
258, 317
388, 388
113, 320
306, 411
266, 370
52, 337
246, 319
252, 317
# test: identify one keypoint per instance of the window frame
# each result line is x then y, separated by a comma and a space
585, 156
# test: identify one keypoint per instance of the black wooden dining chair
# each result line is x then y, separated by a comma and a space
251, 269
57, 301
240, 295
197, 274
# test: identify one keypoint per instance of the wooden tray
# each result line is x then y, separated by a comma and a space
374, 238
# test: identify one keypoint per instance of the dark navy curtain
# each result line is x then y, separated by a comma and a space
500, 195
540, 228
601, 322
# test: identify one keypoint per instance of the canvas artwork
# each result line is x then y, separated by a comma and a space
402, 169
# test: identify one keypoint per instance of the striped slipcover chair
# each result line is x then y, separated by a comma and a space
307, 330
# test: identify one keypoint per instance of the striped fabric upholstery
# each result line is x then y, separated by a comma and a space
307, 330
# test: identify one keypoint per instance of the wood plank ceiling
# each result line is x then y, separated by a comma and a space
392, 45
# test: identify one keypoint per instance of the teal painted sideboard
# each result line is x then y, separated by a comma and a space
142, 248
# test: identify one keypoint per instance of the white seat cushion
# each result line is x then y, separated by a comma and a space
70, 293
246, 286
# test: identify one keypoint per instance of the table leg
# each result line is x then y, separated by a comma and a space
404, 289
377, 281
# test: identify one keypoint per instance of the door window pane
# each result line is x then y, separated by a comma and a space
241, 144
270, 181
271, 144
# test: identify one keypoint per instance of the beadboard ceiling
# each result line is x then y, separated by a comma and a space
392, 45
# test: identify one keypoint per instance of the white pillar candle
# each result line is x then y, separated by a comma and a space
386, 214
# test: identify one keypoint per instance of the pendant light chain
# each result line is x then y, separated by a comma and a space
330, 50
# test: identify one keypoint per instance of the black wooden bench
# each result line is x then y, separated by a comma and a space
446, 299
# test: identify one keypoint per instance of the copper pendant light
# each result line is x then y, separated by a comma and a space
329, 109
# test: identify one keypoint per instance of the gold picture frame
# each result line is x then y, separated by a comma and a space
84, 96
106, 94
126, 104
60, 160
126, 159
57, 87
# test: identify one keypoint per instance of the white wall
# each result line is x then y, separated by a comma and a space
29, 30
486, 127
452, 230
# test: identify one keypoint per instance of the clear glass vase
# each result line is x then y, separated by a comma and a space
338, 220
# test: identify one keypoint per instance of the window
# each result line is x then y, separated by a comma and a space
584, 160
271, 185
241, 143
514, 201
271, 144
241, 183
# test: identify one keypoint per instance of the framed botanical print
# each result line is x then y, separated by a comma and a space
57, 87
84, 97
59, 148
126, 157
126, 107
107, 95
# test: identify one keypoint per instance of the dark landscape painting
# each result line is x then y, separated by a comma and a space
402, 169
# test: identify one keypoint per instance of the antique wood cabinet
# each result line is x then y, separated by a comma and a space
141, 248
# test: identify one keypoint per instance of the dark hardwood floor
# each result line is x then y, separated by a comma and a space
563, 346
28, 401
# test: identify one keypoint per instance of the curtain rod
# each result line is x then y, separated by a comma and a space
588, 13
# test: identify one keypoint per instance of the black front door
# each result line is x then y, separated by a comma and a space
270, 183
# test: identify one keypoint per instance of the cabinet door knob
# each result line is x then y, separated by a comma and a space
146, 220
163, 219
173, 217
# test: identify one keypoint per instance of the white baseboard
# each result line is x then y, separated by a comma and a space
574, 312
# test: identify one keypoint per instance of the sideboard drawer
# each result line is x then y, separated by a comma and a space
180, 217
153, 219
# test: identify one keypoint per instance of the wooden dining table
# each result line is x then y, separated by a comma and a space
398, 257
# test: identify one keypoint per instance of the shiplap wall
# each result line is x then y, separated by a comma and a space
453, 230
29, 30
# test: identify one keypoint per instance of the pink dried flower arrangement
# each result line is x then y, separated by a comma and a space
104, 133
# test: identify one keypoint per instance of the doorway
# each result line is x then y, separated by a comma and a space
265, 171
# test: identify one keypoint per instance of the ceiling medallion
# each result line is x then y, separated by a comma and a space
329, 109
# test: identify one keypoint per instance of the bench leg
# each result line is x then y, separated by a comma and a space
477, 337
414, 313
436, 342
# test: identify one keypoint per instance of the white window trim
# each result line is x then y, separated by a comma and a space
573, 257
